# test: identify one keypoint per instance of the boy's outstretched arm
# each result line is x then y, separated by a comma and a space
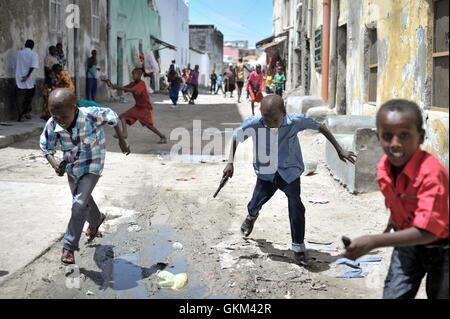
229, 169
408, 237
343, 154
119, 88
123, 144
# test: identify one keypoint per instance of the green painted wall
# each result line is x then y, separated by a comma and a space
134, 21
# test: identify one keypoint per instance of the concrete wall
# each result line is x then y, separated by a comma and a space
207, 38
405, 35
174, 30
24, 20
134, 22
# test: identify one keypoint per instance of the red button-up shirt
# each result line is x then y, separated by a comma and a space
419, 196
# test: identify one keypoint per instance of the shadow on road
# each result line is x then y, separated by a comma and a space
318, 261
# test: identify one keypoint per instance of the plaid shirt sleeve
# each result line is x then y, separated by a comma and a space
48, 139
103, 116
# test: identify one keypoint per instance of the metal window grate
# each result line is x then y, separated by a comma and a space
318, 49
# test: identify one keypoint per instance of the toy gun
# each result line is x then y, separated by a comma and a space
62, 168
346, 241
222, 184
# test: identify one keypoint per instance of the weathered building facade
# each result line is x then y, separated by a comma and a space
208, 39
79, 25
134, 28
358, 54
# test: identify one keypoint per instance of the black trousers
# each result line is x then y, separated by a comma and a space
24, 97
194, 92
264, 190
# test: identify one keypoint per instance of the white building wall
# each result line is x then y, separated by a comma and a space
174, 30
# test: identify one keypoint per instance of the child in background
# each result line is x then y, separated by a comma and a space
142, 111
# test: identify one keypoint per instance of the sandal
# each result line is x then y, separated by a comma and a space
67, 257
92, 233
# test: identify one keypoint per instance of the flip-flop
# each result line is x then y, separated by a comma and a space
93, 233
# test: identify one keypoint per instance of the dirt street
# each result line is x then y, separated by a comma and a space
154, 201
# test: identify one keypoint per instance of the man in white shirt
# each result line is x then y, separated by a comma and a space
26, 62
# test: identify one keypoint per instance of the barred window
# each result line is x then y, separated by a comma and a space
440, 55
55, 15
95, 20
373, 65
318, 49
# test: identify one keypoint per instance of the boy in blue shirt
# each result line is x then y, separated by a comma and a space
278, 164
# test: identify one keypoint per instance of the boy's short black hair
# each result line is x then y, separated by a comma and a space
56, 67
401, 105
29, 44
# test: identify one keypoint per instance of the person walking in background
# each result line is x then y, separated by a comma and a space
256, 86
269, 79
175, 82
193, 82
185, 88
279, 80
219, 83
240, 77
26, 62
91, 76
213, 78
230, 81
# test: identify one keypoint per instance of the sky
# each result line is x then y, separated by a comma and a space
237, 19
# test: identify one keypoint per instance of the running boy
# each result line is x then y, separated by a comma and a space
255, 86
274, 127
143, 110
415, 187
82, 139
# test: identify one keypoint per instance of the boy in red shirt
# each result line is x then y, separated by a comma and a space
415, 186
143, 110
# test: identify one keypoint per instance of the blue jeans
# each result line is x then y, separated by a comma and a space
279, 91
264, 191
173, 93
408, 267
91, 89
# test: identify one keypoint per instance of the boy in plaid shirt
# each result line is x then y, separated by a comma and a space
82, 139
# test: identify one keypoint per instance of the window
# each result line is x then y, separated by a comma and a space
55, 16
318, 49
95, 20
373, 65
440, 55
